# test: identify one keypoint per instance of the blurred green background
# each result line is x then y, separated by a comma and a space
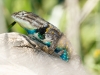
78, 19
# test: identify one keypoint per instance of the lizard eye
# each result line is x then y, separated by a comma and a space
22, 14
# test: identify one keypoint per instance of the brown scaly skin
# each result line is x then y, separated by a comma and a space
31, 21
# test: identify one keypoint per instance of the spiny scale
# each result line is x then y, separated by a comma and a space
44, 32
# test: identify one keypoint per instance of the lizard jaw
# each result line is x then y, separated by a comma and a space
24, 24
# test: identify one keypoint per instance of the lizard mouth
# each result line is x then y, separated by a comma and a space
41, 31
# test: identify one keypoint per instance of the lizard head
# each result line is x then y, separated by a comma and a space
29, 20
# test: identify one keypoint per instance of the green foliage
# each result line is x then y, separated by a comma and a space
40, 7
90, 35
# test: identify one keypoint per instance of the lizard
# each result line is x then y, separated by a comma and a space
43, 31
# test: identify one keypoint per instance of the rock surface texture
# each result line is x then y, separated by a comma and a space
21, 56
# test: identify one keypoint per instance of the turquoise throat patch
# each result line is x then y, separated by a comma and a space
31, 31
